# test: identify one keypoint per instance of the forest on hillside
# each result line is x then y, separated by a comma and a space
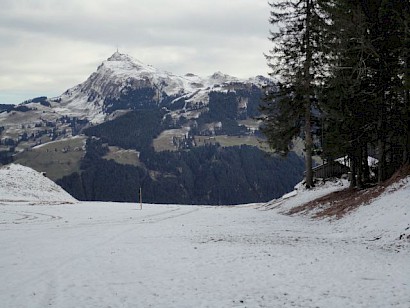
204, 175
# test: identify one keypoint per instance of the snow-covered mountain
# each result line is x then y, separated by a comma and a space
121, 74
122, 83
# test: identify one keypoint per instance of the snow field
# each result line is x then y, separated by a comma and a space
115, 255
59, 252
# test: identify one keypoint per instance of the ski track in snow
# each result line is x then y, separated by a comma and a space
95, 254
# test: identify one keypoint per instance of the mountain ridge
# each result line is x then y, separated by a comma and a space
121, 73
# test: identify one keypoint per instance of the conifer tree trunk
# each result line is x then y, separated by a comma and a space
359, 159
382, 160
381, 142
308, 94
353, 169
308, 147
366, 169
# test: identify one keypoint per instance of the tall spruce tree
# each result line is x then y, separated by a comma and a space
395, 19
384, 33
297, 61
349, 95
366, 102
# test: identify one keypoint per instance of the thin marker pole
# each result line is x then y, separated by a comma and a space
140, 194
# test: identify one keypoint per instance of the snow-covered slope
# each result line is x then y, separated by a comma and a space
384, 222
22, 184
118, 255
301, 195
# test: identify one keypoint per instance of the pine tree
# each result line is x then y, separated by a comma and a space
298, 61
364, 92
349, 102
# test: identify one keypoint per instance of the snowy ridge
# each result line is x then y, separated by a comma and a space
121, 72
23, 184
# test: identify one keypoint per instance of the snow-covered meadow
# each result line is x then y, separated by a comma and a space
57, 252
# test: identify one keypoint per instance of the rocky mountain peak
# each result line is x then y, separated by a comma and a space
117, 56
119, 62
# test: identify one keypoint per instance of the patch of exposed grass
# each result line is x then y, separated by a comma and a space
57, 158
164, 141
124, 157
230, 141
250, 123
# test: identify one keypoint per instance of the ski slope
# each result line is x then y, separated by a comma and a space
94, 254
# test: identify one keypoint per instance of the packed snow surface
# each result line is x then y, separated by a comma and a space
20, 183
95, 254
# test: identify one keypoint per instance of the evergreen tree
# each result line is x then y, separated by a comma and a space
298, 61
349, 99
366, 107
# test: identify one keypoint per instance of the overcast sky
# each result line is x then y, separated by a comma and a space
48, 46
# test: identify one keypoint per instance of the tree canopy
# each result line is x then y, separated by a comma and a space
348, 60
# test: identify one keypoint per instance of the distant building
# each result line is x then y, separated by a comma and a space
330, 170
337, 167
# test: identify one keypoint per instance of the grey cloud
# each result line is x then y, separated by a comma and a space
146, 23
44, 37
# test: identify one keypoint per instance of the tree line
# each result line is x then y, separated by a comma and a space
134, 130
204, 175
343, 72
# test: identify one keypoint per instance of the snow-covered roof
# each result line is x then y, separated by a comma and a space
346, 161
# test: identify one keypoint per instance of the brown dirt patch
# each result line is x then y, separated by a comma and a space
400, 174
338, 203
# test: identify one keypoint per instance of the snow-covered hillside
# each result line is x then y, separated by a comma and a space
385, 221
118, 255
23, 184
